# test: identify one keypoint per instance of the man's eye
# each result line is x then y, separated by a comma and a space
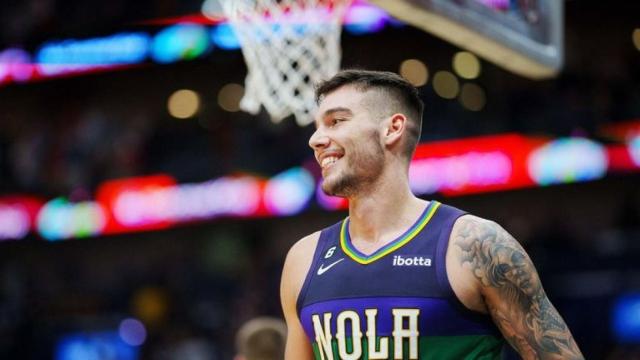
336, 121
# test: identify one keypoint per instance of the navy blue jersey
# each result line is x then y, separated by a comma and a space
395, 303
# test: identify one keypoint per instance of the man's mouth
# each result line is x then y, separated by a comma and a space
328, 161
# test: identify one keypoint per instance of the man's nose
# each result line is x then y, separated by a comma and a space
318, 140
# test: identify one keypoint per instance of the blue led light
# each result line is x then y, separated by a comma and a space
625, 320
77, 55
289, 192
568, 160
95, 346
180, 42
634, 149
365, 19
59, 219
124, 48
224, 37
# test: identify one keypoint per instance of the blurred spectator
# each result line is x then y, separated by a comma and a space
262, 338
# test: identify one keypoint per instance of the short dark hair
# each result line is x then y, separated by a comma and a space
262, 338
393, 86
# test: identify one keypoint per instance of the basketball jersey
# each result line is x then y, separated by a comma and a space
395, 303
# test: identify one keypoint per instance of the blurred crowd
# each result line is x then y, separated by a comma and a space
32, 22
67, 136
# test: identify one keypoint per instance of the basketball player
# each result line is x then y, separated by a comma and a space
404, 278
261, 338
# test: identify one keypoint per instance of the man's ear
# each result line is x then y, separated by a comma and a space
394, 127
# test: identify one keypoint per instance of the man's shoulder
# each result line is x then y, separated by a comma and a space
475, 245
482, 242
472, 226
296, 266
309, 240
305, 245
475, 238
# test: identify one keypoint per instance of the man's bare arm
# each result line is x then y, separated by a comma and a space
512, 291
294, 272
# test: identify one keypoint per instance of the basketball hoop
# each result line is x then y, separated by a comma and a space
288, 45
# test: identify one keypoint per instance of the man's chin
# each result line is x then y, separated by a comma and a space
329, 191
338, 188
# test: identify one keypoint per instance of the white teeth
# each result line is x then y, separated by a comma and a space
328, 160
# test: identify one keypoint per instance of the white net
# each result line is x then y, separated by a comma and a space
288, 45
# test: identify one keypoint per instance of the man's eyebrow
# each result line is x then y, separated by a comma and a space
335, 110
332, 111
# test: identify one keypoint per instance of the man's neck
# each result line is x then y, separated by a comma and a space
383, 213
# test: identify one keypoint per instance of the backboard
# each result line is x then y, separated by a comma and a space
523, 36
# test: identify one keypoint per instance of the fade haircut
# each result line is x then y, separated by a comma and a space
399, 95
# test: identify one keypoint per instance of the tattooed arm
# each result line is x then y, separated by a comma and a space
502, 274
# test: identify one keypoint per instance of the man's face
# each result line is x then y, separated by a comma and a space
347, 142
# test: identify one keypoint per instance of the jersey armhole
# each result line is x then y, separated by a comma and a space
443, 279
441, 253
316, 255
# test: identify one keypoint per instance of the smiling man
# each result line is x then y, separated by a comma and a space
401, 277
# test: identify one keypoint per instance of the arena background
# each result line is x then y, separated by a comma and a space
89, 273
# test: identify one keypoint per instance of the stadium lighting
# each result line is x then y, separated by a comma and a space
472, 97
446, 85
415, 71
466, 65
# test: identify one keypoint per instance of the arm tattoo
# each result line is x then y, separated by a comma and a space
522, 311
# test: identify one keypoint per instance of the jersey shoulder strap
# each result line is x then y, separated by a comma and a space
327, 237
